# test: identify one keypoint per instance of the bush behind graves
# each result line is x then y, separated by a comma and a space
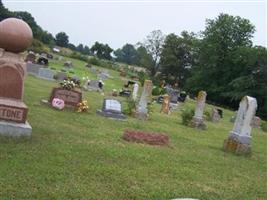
187, 115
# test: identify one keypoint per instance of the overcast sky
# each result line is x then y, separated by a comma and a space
129, 21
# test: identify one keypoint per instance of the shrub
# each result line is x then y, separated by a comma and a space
207, 115
130, 106
156, 91
264, 126
187, 115
94, 61
142, 77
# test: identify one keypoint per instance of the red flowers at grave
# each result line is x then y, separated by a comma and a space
144, 137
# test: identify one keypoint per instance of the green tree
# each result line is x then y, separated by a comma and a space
4, 12
153, 44
252, 67
86, 50
215, 67
144, 59
79, 48
126, 54
177, 57
62, 39
102, 51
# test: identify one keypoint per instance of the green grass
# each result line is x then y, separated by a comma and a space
82, 156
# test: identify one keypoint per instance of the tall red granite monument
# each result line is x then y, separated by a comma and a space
15, 37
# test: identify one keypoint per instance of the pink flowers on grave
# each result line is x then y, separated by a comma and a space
58, 103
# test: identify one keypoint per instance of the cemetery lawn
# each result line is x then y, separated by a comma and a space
82, 156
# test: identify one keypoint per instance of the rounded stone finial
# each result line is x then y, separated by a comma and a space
15, 35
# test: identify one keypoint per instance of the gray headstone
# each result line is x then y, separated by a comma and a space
46, 73
111, 108
92, 85
102, 76
61, 76
33, 68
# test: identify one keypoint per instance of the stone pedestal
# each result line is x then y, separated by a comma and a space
15, 37
198, 123
234, 146
198, 120
165, 107
15, 129
239, 140
142, 111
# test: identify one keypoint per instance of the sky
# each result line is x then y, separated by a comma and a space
117, 22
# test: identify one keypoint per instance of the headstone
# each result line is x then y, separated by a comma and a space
173, 93
93, 70
220, 111
68, 64
46, 73
42, 61
239, 140
165, 108
135, 91
30, 58
111, 108
256, 122
70, 97
33, 69
102, 76
61, 76
215, 116
92, 85
198, 119
142, 111
15, 37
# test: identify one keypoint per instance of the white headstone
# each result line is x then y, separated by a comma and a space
201, 99
198, 120
112, 105
142, 110
135, 91
242, 127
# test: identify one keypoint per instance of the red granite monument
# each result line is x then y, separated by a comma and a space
15, 37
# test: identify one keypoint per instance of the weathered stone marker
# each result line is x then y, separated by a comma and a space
240, 137
142, 111
215, 116
198, 120
15, 37
165, 108
135, 91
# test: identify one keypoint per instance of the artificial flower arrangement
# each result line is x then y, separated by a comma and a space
68, 84
82, 106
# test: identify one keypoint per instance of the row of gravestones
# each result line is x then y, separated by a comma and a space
13, 111
239, 139
45, 73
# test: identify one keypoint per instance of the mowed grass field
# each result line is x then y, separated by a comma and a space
82, 156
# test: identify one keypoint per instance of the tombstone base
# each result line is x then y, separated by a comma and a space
198, 123
111, 114
141, 116
15, 129
234, 146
